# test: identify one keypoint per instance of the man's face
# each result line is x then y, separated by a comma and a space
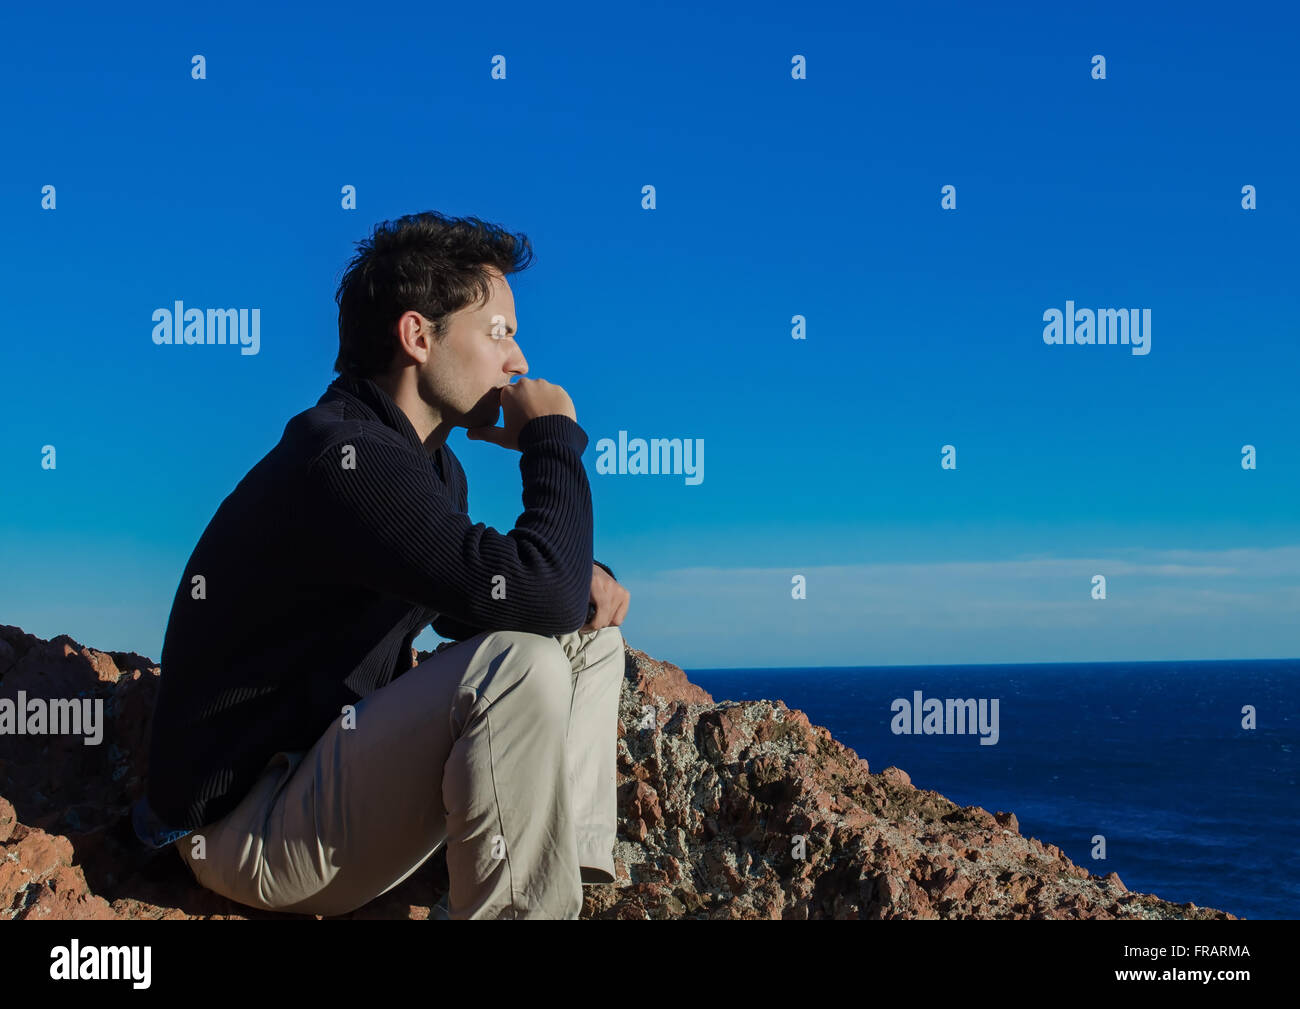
465, 373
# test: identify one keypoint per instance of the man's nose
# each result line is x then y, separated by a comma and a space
519, 365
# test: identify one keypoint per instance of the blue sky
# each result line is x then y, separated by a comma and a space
775, 197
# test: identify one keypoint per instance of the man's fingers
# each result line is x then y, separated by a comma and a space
619, 613
596, 622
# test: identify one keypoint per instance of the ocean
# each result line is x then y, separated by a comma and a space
1153, 756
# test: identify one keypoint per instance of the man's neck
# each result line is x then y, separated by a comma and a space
429, 427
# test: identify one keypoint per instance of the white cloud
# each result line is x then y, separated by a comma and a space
1213, 603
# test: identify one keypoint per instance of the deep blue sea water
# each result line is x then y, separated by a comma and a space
1151, 755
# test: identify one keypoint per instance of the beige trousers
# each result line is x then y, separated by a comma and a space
501, 746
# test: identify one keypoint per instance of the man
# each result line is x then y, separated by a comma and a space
297, 759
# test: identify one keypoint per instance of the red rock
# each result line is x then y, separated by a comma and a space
644, 804
8, 820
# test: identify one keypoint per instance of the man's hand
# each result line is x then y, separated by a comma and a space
526, 399
610, 599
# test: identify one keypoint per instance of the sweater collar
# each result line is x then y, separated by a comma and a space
370, 395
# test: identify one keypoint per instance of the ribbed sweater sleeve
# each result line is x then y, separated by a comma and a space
384, 523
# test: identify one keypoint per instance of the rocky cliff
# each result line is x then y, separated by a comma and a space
712, 800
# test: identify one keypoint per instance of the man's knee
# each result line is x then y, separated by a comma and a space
607, 647
613, 634
541, 669
525, 646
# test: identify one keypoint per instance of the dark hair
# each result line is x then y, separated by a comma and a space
424, 263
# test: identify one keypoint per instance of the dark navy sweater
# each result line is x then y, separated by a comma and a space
310, 582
